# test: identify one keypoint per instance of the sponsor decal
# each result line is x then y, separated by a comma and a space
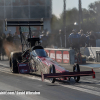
52, 54
22, 65
23, 71
59, 56
65, 57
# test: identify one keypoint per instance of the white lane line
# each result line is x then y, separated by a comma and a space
97, 83
89, 87
4, 65
90, 80
87, 66
82, 90
4, 69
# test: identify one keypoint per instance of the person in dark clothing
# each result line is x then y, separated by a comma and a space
87, 40
9, 38
82, 39
92, 39
74, 40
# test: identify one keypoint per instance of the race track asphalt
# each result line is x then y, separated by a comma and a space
87, 89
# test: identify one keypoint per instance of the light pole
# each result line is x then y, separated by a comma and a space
64, 14
65, 37
64, 20
80, 14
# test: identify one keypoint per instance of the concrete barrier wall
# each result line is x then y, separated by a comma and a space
65, 56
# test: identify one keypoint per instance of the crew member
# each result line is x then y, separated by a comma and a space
92, 39
9, 38
74, 40
82, 39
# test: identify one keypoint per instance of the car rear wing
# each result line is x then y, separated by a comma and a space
68, 74
20, 23
38, 22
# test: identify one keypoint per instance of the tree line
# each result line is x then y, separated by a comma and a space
90, 19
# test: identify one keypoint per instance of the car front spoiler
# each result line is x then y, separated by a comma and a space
68, 74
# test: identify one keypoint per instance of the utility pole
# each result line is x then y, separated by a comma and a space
80, 14
64, 13
64, 20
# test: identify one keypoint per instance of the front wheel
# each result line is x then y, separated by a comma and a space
52, 71
76, 68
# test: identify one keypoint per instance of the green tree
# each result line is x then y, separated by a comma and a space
54, 22
91, 18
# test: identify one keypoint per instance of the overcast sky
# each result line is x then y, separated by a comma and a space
58, 5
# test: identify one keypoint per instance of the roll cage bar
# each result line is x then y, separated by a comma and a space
30, 42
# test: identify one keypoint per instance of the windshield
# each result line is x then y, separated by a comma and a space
40, 52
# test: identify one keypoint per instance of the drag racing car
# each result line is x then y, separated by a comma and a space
34, 59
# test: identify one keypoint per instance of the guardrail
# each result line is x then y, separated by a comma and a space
65, 56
